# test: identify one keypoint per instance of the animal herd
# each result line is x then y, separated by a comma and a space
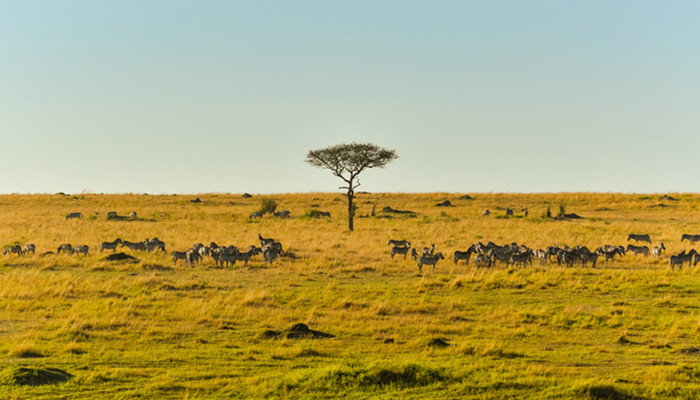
491, 254
270, 249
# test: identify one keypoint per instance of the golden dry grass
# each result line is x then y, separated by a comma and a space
127, 330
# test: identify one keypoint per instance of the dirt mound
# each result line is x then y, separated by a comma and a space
669, 198
197, 200
39, 376
247, 195
445, 203
466, 197
121, 257
296, 331
572, 216
440, 343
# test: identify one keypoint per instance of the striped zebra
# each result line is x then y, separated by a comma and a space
133, 215
84, 249
272, 251
522, 258
464, 255
110, 245
639, 238
155, 244
657, 250
66, 248
29, 248
691, 238
428, 252
429, 260
400, 251
638, 249
17, 249
265, 241
256, 214
482, 260
74, 215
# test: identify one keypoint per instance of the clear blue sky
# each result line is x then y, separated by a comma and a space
229, 96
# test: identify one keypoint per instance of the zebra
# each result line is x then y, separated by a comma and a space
271, 251
639, 238
112, 214
680, 258
509, 212
29, 248
245, 257
66, 247
691, 238
522, 258
110, 245
399, 243
464, 255
486, 213
542, 256
482, 260
133, 215
155, 244
658, 249
400, 251
638, 249
414, 254
256, 214
283, 214
17, 249
610, 252
81, 249
428, 252
74, 215
134, 245
429, 260
179, 255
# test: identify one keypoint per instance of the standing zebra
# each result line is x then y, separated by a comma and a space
639, 238
81, 249
657, 250
28, 248
429, 260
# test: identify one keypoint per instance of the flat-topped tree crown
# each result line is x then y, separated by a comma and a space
347, 161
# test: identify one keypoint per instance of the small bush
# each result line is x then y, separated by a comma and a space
268, 206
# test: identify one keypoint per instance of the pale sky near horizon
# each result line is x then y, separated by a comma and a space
229, 96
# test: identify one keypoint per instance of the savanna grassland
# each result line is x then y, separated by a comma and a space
629, 329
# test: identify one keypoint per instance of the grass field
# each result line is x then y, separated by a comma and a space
626, 330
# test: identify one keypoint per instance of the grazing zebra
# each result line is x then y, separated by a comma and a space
509, 212
74, 215
657, 250
133, 215
691, 238
283, 214
29, 248
400, 251
326, 214
429, 260
81, 249
66, 247
638, 249
134, 245
590, 257
639, 238
110, 245
256, 214
399, 243
17, 249
486, 213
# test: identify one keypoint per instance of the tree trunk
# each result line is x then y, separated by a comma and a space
351, 210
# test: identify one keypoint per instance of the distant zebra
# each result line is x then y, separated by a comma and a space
638, 249
283, 214
155, 244
110, 245
74, 215
639, 238
429, 260
482, 260
486, 213
691, 238
256, 214
81, 249
29, 248
133, 215
17, 249
464, 255
428, 252
66, 248
657, 250
272, 251
179, 255
509, 212
400, 251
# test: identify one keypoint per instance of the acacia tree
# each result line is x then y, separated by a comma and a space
347, 161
